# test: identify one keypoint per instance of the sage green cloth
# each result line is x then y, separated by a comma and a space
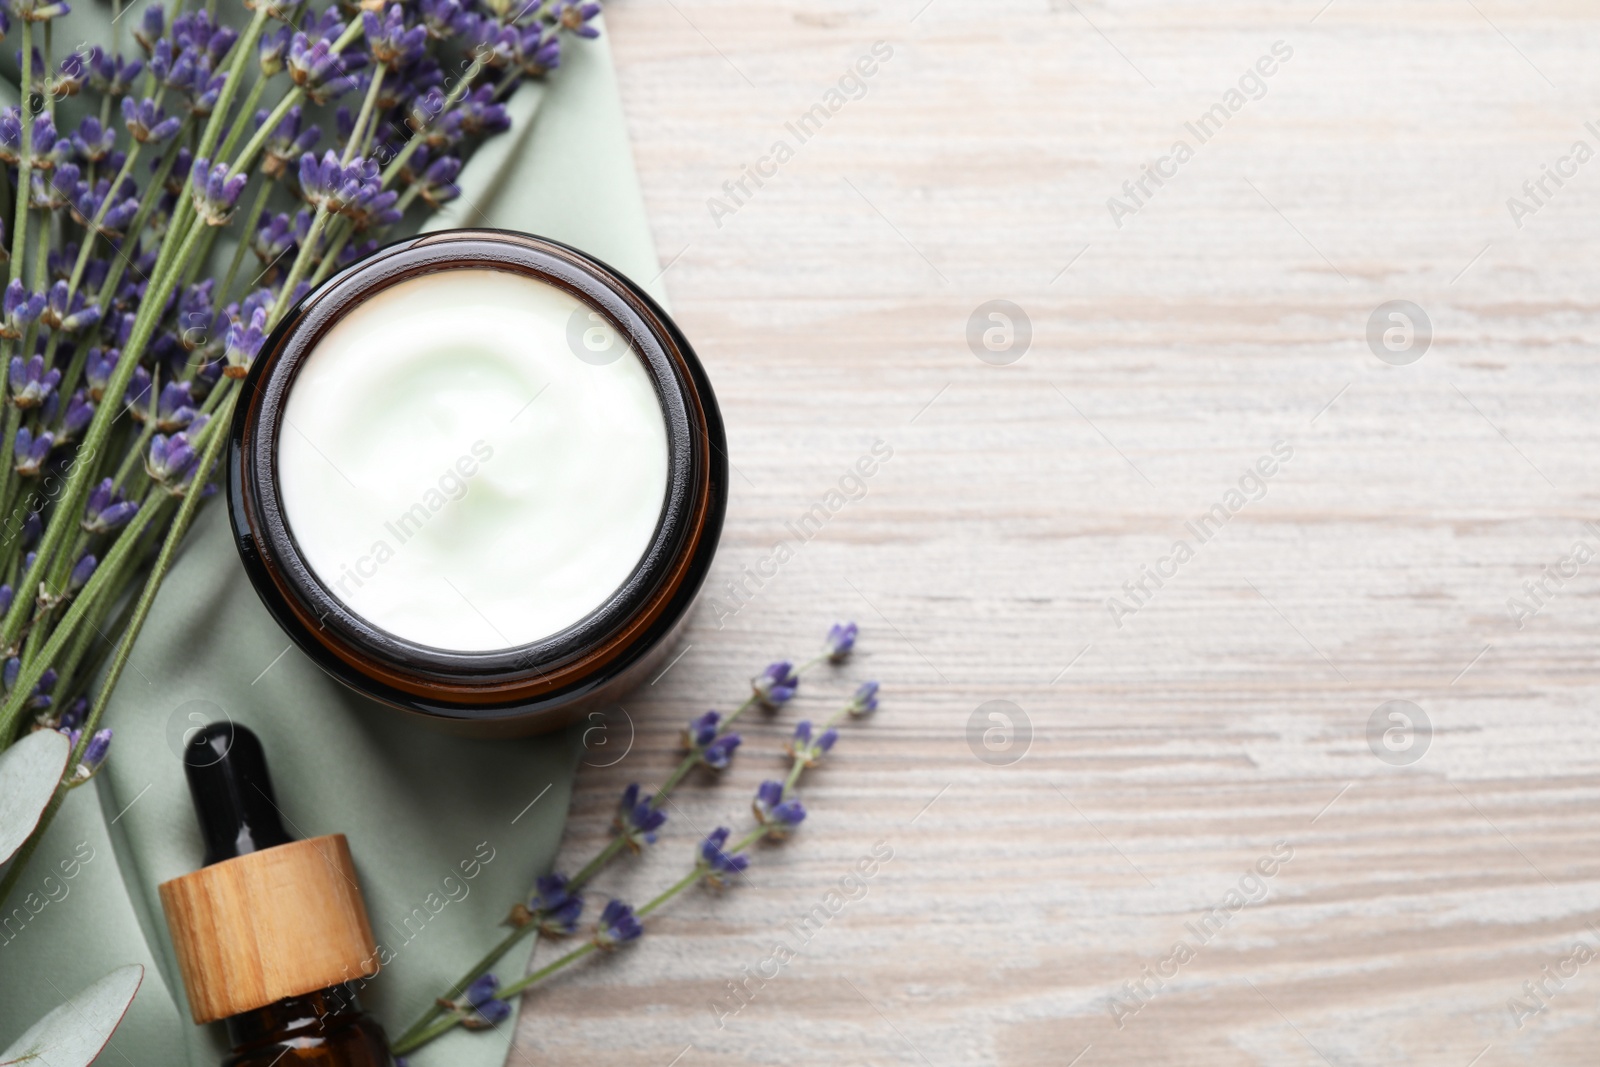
415, 804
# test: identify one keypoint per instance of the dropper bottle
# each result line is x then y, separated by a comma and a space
270, 931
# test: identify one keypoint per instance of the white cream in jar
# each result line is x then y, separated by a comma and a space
457, 476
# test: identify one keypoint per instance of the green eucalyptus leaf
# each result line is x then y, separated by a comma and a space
74, 1034
30, 770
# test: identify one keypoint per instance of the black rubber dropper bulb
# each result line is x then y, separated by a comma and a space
233, 798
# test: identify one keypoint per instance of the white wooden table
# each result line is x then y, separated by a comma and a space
1228, 714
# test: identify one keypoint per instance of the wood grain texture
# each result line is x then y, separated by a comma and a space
1231, 711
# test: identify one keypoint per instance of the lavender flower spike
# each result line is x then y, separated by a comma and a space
719, 864
719, 753
841, 640
31, 452
479, 1008
776, 686
244, 342
637, 820
865, 700
31, 384
808, 750
107, 509
618, 925
216, 192
778, 815
701, 730
94, 755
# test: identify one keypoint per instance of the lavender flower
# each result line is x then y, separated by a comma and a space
865, 699
719, 753
637, 820
618, 925
775, 813
172, 460
287, 142
152, 27
34, 11
558, 907
30, 452
437, 182
79, 412
22, 309
30, 382
97, 370
479, 1007
44, 138
273, 49
841, 641
576, 16
718, 864
538, 53
92, 142
479, 113
354, 190
244, 342
775, 686
94, 755
392, 43
147, 122
69, 78
323, 73
702, 730
175, 407
82, 571
107, 509
113, 75
216, 191
808, 750
70, 315
72, 717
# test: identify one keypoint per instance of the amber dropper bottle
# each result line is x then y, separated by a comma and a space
270, 930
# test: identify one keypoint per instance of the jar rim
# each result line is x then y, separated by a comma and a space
554, 669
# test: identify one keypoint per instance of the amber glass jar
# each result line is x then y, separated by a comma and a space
535, 686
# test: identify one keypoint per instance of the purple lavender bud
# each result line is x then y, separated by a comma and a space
8, 673
776, 685
637, 820
72, 717
719, 864
702, 730
719, 753
79, 413
107, 509
30, 452
480, 1007
152, 27
778, 815
841, 641
30, 382
556, 905
216, 191
82, 571
865, 699
618, 925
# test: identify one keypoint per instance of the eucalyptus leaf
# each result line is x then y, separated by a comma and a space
74, 1034
30, 770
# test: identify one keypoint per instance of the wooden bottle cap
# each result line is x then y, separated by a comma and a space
267, 925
